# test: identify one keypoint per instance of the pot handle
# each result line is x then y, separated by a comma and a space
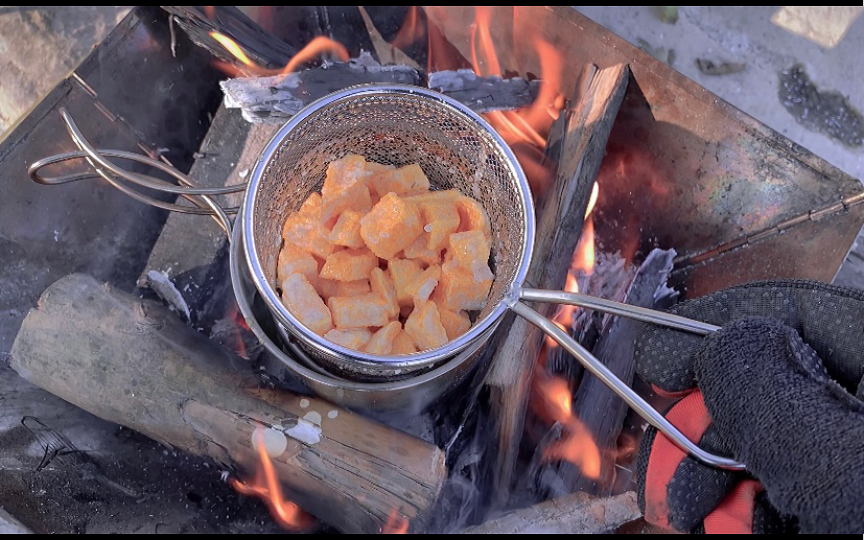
118, 177
595, 367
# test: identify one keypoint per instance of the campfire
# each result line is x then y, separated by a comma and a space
646, 192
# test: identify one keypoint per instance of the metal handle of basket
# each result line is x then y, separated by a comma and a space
121, 179
595, 367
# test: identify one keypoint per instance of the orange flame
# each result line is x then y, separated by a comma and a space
267, 487
411, 30
576, 446
315, 48
396, 524
232, 47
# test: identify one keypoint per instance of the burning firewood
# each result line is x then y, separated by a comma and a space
583, 132
135, 363
577, 513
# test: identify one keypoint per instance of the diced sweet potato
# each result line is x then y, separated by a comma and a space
473, 216
419, 251
455, 323
349, 265
403, 344
329, 287
311, 205
359, 311
304, 231
382, 340
342, 174
469, 248
444, 196
440, 221
293, 260
303, 302
346, 231
465, 288
403, 272
382, 285
424, 327
420, 289
351, 339
402, 180
392, 225
355, 197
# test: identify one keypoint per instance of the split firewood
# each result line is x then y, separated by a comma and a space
584, 128
577, 513
597, 407
135, 363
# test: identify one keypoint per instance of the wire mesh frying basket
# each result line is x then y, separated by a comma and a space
395, 125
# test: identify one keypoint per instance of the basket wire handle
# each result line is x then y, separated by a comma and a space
596, 367
201, 198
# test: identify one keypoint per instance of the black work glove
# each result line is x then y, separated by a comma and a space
776, 391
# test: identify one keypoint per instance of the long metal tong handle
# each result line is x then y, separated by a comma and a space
596, 368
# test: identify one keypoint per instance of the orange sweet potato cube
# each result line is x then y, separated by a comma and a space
424, 327
355, 339
382, 285
421, 288
444, 196
469, 248
349, 265
342, 174
403, 272
465, 288
301, 299
311, 205
473, 216
392, 225
382, 340
346, 231
403, 344
359, 311
420, 252
402, 180
293, 260
303, 230
328, 287
455, 323
440, 221
354, 197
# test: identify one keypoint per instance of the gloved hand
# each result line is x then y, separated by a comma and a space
777, 391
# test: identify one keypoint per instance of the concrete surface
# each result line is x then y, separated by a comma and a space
39, 45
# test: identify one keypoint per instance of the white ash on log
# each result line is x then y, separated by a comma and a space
135, 363
275, 99
576, 513
584, 128
484, 94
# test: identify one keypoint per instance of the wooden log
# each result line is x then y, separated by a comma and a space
275, 99
594, 404
484, 94
135, 363
576, 513
260, 46
559, 224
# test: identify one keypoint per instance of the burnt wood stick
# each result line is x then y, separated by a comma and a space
575, 513
275, 99
595, 405
135, 363
484, 94
588, 121
260, 46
